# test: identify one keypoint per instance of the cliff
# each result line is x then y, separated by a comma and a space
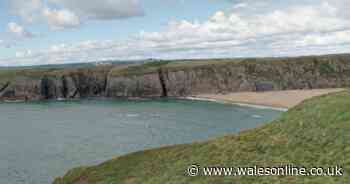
53, 84
177, 78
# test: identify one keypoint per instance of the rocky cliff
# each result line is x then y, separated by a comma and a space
178, 78
53, 84
259, 75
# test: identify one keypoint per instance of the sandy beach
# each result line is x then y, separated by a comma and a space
280, 100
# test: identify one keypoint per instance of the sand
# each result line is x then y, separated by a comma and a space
274, 99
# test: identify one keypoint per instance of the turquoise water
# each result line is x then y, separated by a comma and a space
40, 141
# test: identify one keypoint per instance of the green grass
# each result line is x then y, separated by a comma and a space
328, 64
11, 74
38, 73
315, 133
138, 69
327, 68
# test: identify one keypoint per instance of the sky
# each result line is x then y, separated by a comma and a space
37, 32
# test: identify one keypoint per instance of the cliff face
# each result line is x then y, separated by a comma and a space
55, 84
86, 84
21, 89
181, 78
206, 79
253, 75
147, 85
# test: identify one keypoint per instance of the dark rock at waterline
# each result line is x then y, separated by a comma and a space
264, 86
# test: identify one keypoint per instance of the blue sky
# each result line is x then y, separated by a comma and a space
159, 13
64, 31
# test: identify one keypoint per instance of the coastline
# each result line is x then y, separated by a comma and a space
275, 100
236, 103
278, 131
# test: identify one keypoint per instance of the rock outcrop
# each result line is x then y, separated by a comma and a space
55, 84
259, 75
147, 85
180, 78
21, 88
206, 79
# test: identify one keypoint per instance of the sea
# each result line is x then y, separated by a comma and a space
42, 140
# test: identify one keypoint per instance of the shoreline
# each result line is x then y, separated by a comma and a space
257, 106
275, 100
181, 98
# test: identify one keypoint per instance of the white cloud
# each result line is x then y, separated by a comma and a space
240, 5
234, 29
61, 19
26, 9
102, 9
319, 39
25, 53
318, 28
298, 19
342, 7
18, 30
60, 14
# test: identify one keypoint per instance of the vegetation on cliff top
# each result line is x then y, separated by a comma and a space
176, 65
38, 73
315, 133
138, 69
124, 69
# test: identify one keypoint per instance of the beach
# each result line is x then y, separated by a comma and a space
279, 100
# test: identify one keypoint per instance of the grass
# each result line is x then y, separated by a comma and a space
315, 133
138, 69
327, 63
38, 73
11, 74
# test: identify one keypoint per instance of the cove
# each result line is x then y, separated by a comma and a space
42, 140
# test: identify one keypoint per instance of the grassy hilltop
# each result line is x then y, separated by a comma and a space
139, 68
315, 133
